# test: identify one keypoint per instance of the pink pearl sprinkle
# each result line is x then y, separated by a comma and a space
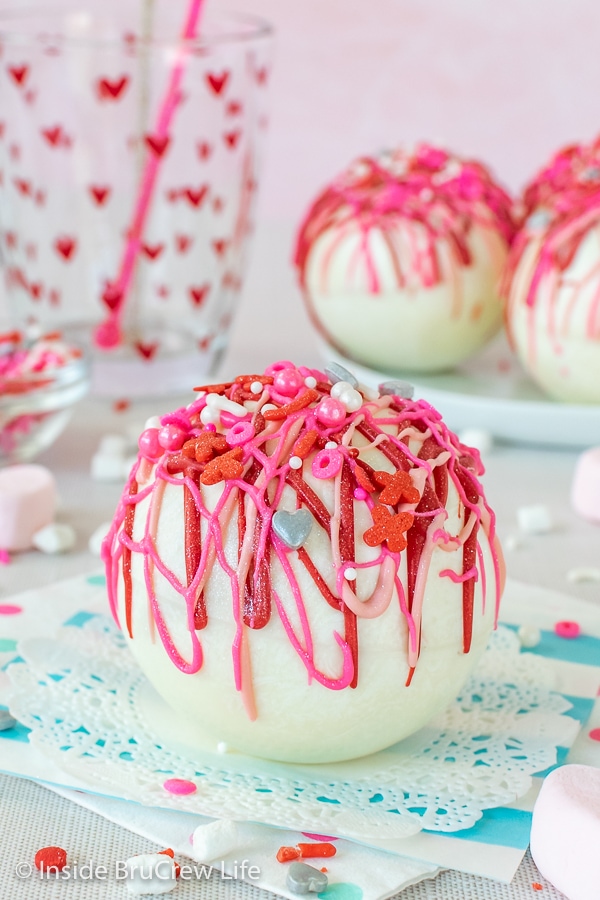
288, 382
149, 445
7, 609
107, 334
330, 411
179, 786
171, 437
567, 629
239, 434
595, 734
360, 493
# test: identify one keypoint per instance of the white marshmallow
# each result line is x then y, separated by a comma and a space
215, 840
151, 873
478, 438
107, 467
565, 831
583, 573
529, 636
585, 490
27, 504
534, 519
97, 537
54, 538
114, 444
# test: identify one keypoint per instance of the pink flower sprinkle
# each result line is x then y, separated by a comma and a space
179, 786
567, 629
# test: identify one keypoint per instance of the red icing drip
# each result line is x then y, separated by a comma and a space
347, 554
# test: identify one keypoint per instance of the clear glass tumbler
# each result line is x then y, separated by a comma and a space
129, 158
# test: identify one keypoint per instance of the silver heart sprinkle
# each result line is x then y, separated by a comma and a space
337, 373
397, 388
292, 528
302, 878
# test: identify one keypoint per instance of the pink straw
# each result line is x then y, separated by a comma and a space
108, 333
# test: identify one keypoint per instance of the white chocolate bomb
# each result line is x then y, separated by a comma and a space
400, 260
344, 645
552, 283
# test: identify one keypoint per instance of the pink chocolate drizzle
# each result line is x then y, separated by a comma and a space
429, 196
434, 459
559, 207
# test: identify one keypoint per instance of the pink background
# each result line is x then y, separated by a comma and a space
507, 81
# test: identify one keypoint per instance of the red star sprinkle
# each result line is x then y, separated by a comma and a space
388, 527
204, 447
223, 467
396, 487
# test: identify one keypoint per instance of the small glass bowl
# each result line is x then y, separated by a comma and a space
34, 410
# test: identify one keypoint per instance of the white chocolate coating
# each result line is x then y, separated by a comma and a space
418, 328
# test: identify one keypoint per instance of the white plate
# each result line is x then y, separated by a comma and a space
492, 391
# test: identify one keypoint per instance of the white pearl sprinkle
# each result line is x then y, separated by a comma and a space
295, 462
256, 387
210, 416
339, 388
310, 382
350, 574
267, 407
331, 445
222, 747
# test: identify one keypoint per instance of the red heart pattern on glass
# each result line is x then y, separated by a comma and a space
199, 294
65, 246
99, 193
217, 83
111, 89
19, 74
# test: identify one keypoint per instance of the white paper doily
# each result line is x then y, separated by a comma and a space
86, 703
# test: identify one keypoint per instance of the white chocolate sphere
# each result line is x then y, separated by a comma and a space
302, 694
553, 280
400, 260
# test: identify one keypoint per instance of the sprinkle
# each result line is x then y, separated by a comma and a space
215, 839
296, 405
336, 373
304, 444
256, 387
302, 879
292, 528
223, 467
10, 609
316, 851
327, 463
331, 445
6, 720
121, 405
594, 734
267, 407
331, 412
205, 446
537, 886
395, 388
179, 786
222, 747
50, 859
295, 462
240, 434
388, 527
310, 381
567, 629
396, 487
360, 494
287, 854
350, 573
364, 480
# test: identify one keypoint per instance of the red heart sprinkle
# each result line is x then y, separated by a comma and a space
220, 246
217, 83
147, 351
158, 145
66, 246
152, 251
112, 296
199, 294
111, 89
204, 149
183, 242
231, 139
99, 194
195, 197
53, 135
19, 74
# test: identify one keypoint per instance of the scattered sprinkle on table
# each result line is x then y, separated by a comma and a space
50, 859
179, 786
567, 629
9, 609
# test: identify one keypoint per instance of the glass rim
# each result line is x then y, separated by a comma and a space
250, 28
